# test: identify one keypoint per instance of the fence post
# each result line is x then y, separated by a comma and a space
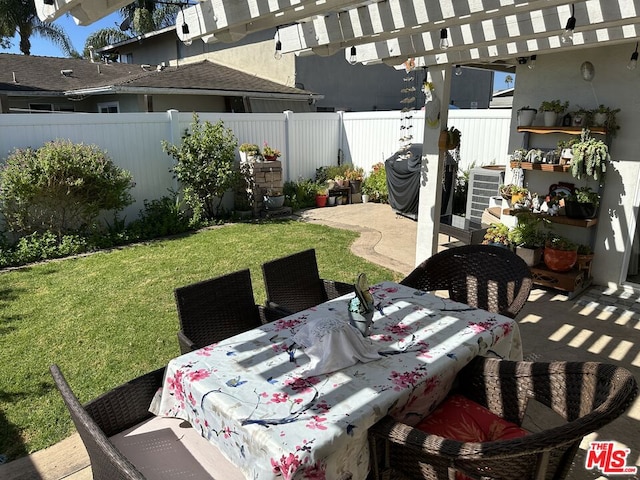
288, 115
175, 136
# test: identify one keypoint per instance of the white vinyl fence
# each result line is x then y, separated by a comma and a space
307, 140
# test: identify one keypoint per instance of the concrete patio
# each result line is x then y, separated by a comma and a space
599, 325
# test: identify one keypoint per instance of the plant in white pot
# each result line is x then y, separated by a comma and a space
551, 109
526, 116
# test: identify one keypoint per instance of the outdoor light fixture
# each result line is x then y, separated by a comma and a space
185, 31
567, 35
278, 52
522, 60
532, 62
444, 40
458, 70
353, 58
633, 62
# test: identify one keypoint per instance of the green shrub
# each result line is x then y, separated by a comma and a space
61, 187
301, 194
205, 166
375, 184
161, 217
42, 246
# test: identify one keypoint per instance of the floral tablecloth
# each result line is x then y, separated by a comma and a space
250, 397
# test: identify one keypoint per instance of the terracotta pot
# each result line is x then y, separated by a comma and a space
270, 158
560, 260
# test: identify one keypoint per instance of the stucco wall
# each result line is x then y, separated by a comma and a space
557, 76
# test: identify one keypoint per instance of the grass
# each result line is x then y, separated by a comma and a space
108, 317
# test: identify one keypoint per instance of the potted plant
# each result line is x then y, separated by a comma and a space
551, 109
322, 193
341, 182
249, 151
560, 253
273, 199
514, 194
590, 157
497, 234
526, 116
355, 176
449, 139
269, 153
606, 117
581, 117
528, 239
582, 203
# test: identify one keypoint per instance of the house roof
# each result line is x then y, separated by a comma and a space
29, 75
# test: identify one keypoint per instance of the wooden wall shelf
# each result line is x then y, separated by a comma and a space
560, 219
568, 130
543, 167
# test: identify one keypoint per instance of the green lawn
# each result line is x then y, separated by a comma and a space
109, 317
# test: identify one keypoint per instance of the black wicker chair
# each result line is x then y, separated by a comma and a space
484, 276
126, 442
293, 283
218, 308
587, 395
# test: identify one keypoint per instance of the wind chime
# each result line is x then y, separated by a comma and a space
408, 109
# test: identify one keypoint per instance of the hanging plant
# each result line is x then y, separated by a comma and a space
590, 157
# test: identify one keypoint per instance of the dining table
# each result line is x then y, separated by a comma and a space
253, 396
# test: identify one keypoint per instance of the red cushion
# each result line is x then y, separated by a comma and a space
464, 420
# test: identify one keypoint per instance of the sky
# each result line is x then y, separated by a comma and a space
78, 35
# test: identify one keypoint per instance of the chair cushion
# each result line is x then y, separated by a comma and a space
464, 420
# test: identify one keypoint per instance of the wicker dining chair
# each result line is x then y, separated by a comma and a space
587, 395
484, 276
293, 283
218, 308
126, 442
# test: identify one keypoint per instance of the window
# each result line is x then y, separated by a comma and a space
40, 107
109, 107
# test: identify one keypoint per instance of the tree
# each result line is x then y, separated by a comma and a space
508, 80
21, 17
102, 38
205, 166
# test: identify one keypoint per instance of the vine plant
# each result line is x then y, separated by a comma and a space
590, 157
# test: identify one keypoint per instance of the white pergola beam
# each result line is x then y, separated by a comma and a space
391, 19
224, 19
539, 46
523, 26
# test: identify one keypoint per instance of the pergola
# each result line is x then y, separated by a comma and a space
478, 31
495, 34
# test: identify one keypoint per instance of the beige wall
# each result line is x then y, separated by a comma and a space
557, 76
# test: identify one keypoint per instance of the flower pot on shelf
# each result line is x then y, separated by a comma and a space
270, 158
531, 256
550, 119
599, 119
579, 210
526, 116
559, 260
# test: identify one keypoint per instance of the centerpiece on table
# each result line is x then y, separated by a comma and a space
269, 153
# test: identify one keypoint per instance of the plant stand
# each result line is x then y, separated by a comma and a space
573, 282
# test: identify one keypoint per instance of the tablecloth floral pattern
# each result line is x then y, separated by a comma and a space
249, 396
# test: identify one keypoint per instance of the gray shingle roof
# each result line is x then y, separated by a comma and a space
43, 74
